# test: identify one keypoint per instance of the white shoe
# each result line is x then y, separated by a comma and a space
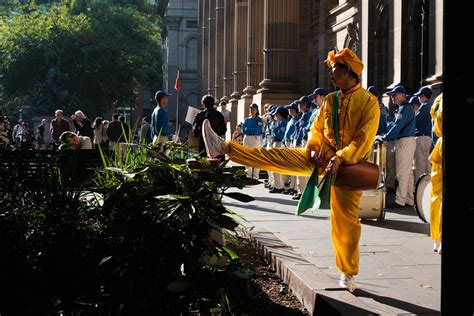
212, 141
437, 246
348, 282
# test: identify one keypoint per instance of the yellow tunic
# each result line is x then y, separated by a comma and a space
436, 158
358, 120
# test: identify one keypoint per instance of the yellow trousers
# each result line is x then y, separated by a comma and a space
436, 192
345, 225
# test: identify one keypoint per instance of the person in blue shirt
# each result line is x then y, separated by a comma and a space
279, 129
302, 128
252, 130
423, 129
403, 133
383, 111
288, 142
160, 131
318, 96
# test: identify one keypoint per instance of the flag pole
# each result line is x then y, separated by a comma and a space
177, 87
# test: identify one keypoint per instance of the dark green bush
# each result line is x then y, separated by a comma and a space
137, 236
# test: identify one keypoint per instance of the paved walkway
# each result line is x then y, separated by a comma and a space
399, 272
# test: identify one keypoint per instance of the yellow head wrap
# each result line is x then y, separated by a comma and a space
346, 57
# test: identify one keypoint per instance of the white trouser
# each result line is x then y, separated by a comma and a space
290, 179
405, 148
302, 181
421, 162
390, 165
252, 141
278, 178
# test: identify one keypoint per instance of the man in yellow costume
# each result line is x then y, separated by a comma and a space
436, 158
357, 113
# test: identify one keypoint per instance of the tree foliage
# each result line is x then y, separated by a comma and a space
87, 53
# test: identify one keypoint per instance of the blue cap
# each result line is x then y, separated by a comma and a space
282, 110
293, 106
414, 100
397, 89
160, 94
373, 90
425, 90
317, 91
304, 99
254, 106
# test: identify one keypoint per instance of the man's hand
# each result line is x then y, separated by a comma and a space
316, 156
73, 117
333, 165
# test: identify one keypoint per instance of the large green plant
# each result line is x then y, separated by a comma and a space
141, 235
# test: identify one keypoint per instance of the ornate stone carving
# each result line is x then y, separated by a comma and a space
352, 40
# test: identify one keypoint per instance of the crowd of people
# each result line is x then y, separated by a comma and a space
67, 133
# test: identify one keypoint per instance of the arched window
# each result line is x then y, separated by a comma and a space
192, 54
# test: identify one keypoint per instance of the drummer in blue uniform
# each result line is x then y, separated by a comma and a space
403, 132
281, 122
383, 111
423, 128
288, 142
252, 130
317, 98
302, 128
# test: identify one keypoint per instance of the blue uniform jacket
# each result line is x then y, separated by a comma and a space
313, 117
383, 120
404, 124
159, 122
290, 129
423, 120
252, 126
303, 127
279, 130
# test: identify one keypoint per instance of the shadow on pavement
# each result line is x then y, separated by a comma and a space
277, 200
411, 227
390, 301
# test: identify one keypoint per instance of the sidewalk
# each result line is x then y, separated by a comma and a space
399, 272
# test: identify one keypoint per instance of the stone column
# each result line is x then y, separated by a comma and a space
211, 79
219, 58
254, 47
229, 13
205, 46
280, 83
435, 51
364, 34
240, 52
199, 31
254, 55
395, 44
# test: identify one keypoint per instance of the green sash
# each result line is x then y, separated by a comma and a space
319, 195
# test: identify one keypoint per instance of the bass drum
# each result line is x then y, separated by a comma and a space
422, 197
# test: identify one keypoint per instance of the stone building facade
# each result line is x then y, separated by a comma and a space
181, 53
272, 51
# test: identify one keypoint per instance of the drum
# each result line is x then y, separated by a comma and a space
422, 197
372, 202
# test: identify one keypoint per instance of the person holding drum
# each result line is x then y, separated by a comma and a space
343, 138
436, 158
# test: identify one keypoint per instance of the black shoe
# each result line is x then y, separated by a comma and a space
296, 197
275, 190
395, 205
